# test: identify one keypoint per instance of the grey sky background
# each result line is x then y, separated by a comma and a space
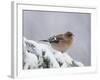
38, 25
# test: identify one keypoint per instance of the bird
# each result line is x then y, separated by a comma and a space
61, 42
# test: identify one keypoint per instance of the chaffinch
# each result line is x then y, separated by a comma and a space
61, 42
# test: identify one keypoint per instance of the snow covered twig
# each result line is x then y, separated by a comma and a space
39, 55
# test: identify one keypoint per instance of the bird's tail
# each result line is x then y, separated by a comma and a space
45, 40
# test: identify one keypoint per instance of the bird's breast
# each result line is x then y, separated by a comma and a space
60, 46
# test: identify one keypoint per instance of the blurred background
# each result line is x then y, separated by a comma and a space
38, 25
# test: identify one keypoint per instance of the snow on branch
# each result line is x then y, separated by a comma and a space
39, 55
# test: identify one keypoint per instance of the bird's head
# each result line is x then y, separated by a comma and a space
68, 34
